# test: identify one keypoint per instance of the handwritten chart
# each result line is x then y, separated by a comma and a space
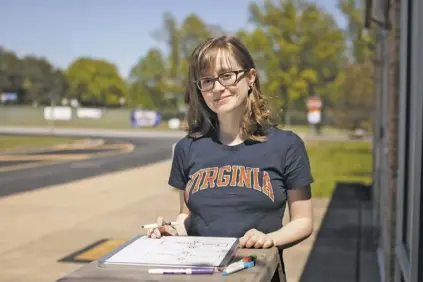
175, 251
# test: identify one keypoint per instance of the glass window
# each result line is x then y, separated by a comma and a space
420, 244
407, 213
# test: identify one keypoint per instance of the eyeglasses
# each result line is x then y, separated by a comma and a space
226, 79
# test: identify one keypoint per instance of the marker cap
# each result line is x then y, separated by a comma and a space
246, 265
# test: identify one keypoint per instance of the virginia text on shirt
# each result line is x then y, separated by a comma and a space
230, 176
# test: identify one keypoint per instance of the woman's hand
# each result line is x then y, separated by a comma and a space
256, 239
162, 230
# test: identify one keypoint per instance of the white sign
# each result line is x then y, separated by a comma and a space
90, 113
57, 113
314, 117
174, 123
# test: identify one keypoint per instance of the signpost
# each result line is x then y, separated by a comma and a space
314, 115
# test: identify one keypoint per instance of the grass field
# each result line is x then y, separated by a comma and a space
30, 142
337, 161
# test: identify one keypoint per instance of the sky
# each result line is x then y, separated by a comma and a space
119, 31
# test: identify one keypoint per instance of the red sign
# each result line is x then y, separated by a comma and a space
314, 104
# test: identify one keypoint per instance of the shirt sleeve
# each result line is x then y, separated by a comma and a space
297, 165
179, 171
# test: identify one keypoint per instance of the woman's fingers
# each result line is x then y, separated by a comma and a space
160, 221
163, 230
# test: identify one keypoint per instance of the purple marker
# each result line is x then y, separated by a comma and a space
196, 270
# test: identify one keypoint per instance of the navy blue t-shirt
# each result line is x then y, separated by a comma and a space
232, 189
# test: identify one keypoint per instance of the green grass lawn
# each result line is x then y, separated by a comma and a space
337, 161
30, 142
325, 131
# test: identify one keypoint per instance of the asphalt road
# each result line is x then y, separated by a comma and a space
147, 149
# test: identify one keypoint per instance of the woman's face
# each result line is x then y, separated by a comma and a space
226, 87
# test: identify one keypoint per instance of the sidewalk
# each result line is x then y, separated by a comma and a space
40, 227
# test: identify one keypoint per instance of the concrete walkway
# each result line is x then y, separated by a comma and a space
40, 227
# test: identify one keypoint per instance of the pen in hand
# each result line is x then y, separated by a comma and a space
155, 225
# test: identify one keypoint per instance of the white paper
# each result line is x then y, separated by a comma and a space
174, 251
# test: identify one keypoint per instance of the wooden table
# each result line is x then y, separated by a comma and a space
267, 263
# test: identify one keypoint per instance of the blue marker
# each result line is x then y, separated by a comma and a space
237, 267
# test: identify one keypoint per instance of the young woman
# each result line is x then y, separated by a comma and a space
235, 169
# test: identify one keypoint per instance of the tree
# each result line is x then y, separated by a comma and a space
359, 39
33, 78
181, 41
300, 48
95, 82
322, 51
147, 81
59, 85
38, 80
193, 32
11, 77
170, 34
353, 108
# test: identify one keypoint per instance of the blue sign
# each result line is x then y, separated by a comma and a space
144, 118
8, 97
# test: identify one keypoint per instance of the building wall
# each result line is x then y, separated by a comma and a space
398, 140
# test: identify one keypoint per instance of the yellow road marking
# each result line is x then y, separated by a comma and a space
44, 157
50, 159
81, 145
26, 166
100, 250
117, 146
124, 148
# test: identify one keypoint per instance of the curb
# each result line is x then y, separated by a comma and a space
79, 143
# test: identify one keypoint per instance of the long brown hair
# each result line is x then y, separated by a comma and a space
200, 120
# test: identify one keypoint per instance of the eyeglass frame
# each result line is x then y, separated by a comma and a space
214, 79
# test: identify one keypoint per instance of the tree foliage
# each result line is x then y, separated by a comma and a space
34, 79
354, 106
300, 48
181, 39
95, 82
359, 39
147, 81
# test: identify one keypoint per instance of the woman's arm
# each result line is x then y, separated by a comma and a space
178, 179
183, 217
300, 225
174, 230
297, 180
